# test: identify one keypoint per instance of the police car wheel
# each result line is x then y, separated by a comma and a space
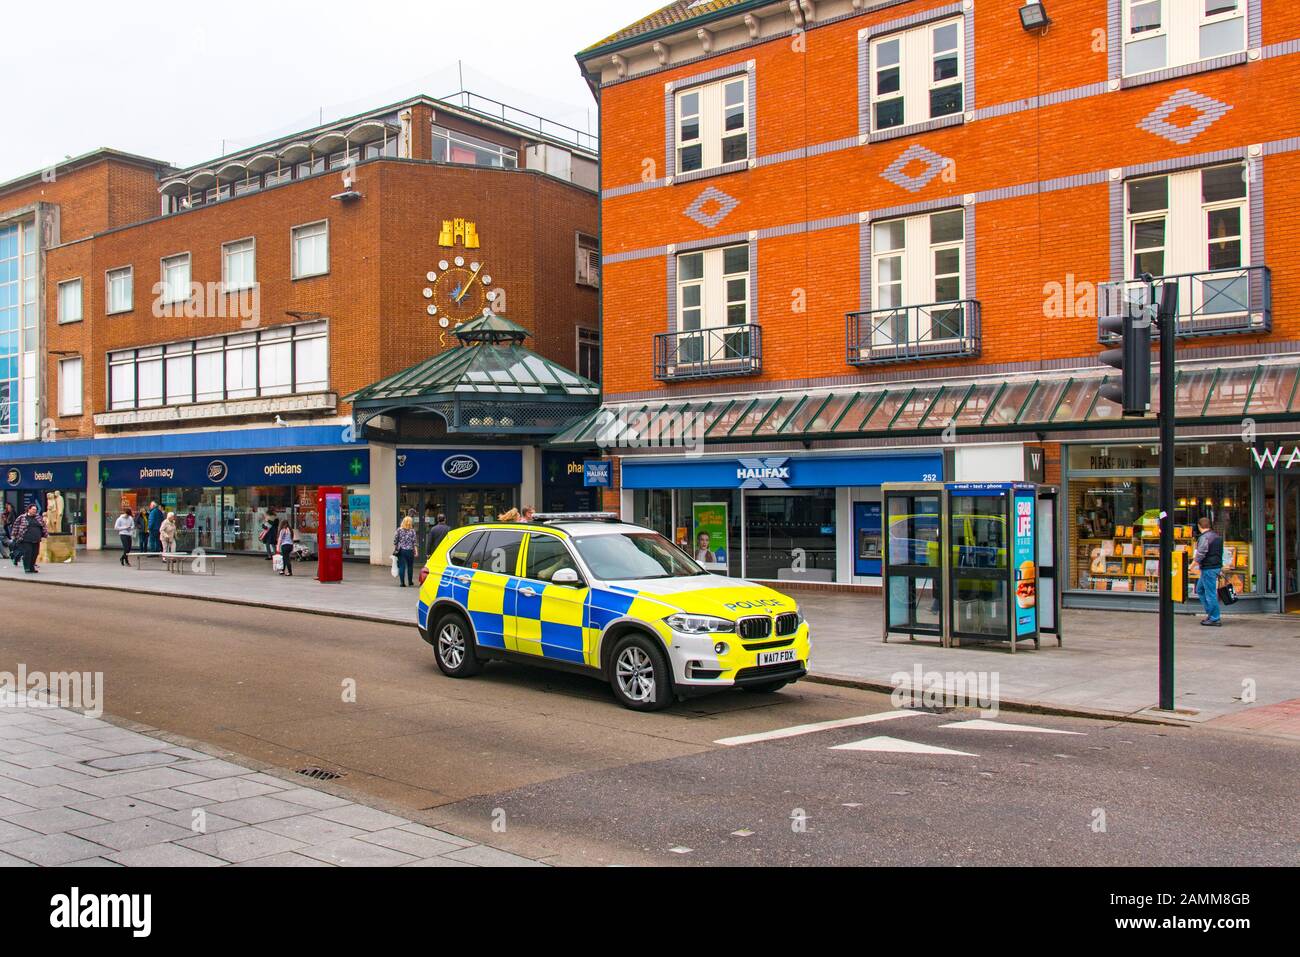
453, 646
639, 674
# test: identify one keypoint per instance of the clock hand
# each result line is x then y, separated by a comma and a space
471, 282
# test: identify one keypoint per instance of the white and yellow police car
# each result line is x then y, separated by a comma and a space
591, 594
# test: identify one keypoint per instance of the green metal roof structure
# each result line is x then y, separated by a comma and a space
1223, 394
489, 385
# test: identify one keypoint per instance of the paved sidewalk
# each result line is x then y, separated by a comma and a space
1108, 664
80, 792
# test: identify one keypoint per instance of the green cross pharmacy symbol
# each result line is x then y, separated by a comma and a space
355, 467
76, 476
103, 474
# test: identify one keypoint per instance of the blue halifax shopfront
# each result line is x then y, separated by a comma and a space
221, 501
782, 517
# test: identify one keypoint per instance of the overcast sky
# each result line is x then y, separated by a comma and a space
173, 80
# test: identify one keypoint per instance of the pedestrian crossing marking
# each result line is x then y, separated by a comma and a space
899, 746
981, 724
801, 729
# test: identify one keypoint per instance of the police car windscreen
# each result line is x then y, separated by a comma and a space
631, 557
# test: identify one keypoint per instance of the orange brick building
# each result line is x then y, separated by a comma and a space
172, 326
861, 241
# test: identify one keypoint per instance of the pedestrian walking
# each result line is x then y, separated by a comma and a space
529, 512
284, 539
439, 531
156, 518
509, 517
125, 528
7, 520
167, 534
1209, 556
29, 530
142, 529
405, 545
270, 529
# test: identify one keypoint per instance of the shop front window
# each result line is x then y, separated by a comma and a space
1115, 530
653, 508
791, 536
708, 528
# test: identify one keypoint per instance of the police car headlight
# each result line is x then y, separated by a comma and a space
699, 625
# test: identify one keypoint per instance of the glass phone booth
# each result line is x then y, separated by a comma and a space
913, 573
972, 561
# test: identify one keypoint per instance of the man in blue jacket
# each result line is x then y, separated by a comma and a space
156, 518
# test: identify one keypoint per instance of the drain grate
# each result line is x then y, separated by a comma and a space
319, 774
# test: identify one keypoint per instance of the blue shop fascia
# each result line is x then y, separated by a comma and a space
787, 517
222, 485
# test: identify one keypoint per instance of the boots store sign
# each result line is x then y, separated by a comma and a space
240, 471
496, 467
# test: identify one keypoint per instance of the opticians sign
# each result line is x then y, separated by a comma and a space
240, 471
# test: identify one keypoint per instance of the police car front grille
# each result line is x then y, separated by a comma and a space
787, 624
769, 645
754, 629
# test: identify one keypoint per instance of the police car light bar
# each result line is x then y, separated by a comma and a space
576, 517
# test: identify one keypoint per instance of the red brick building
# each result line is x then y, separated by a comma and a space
186, 323
863, 241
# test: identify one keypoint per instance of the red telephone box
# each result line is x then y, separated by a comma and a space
329, 515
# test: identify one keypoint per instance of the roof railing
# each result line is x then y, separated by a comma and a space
505, 113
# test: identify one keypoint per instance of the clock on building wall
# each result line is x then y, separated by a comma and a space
462, 287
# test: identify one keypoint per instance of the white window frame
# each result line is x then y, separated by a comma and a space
220, 352
711, 123
226, 284
1186, 223
916, 83
65, 406
716, 304
918, 275
1181, 24
172, 296
110, 276
63, 287
293, 249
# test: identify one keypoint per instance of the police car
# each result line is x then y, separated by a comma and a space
590, 594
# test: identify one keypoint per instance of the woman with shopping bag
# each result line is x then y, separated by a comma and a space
405, 545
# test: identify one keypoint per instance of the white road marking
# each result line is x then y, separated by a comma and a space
899, 746
981, 724
797, 730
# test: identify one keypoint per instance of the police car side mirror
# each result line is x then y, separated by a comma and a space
565, 576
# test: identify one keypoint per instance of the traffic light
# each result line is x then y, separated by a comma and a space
1132, 359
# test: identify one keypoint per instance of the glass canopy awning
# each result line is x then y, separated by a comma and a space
1221, 394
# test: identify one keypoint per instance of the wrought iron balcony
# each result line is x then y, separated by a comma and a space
913, 333
1213, 303
709, 353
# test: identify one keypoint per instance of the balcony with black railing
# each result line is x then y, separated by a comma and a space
941, 330
709, 353
1217, 302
